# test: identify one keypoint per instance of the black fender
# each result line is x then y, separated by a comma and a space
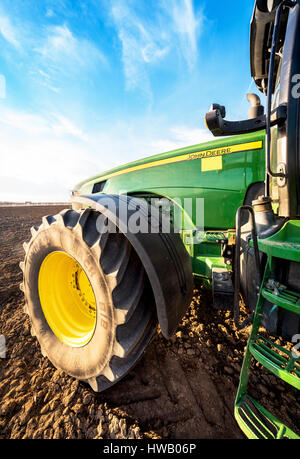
162, 253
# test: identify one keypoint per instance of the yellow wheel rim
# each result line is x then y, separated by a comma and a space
67, 299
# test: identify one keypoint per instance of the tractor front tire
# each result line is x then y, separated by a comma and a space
88, 297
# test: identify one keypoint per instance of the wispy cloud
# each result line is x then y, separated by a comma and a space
65, 126
60, 55
62, 46
141, 138
8, 31
186, 24
67, 137
48, 155
142, 44
30, 124
46, 80
147, 40
179, 137
49, 13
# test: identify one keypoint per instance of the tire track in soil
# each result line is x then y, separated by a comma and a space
183, 388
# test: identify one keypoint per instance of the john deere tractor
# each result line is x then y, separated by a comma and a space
100, 277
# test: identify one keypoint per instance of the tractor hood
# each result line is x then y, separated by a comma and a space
218, 172
178, 168
99, 182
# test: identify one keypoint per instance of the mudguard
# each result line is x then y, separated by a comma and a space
165, 259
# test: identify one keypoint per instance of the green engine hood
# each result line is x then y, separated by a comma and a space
201, 165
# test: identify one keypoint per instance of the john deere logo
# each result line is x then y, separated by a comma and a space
211, 153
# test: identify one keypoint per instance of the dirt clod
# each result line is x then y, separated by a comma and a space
184, 388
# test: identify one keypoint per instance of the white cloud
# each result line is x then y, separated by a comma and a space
28, 123
180, 137
34, 125
65, 126
61, 52
128, 141
83, 51
142, 44
46, 81
49, 13
152, 53
147, 40
187, 25
43, 158
8, 31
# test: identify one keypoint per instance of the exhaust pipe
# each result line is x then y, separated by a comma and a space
256, 109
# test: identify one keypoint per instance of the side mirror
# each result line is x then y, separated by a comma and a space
219, 126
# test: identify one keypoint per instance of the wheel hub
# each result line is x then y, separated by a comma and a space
67, 299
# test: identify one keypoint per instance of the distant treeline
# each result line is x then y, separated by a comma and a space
28, 203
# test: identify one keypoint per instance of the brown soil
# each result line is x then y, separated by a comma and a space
184, 388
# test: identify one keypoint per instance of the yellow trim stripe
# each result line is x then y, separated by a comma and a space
257, 145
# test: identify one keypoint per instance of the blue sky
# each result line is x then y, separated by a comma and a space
88, 85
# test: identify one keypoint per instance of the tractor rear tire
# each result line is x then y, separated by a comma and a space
88, 297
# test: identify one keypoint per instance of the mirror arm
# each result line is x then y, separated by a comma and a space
221, 127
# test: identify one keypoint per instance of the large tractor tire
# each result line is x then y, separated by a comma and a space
89, 299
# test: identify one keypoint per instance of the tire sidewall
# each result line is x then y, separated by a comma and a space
89, 360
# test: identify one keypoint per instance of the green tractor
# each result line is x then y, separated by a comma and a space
98, 278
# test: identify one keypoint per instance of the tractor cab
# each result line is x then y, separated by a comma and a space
267, 266
281, 85
275, 68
